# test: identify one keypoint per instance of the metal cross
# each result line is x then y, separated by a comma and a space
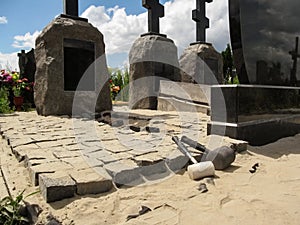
295, 55
202, 21
71, 7
155, 11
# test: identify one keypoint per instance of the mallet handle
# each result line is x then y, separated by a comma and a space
193, 144
184, 150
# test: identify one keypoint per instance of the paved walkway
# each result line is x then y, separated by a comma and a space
67, 156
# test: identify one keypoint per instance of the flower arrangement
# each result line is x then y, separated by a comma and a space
13, 90
11, 80
5, 79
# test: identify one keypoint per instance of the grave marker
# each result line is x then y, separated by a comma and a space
269, 111
198, 15
72, 65
71, 7
152, 57
200, 61
155, 11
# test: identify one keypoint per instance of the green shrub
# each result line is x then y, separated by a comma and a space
11, 210
119, 84
4, 101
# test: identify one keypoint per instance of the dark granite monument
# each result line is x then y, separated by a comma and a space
266, 105
67, 58
200, 61
152, 57
27, 68
27, 64
263, 31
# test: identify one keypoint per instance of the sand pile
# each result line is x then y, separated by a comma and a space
270, 195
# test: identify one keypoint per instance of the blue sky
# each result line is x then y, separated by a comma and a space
120, 21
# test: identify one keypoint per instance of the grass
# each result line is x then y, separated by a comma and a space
12, 210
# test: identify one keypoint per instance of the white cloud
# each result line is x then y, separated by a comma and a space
96, 14
218, 33
9, 61
3, 20
180, 27
25, 41
120, 30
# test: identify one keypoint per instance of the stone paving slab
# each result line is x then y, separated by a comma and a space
91, 155
56, 186
89, 181
36, 170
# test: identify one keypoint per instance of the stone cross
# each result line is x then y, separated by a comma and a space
295, 55
71, 7
155, 11
202, 21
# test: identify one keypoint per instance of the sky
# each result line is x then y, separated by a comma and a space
120, 21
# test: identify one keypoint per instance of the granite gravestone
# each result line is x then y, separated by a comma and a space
200, 61
27, 64
261, 34
66, 52
152, 57
258, 35
27, 68
22, 61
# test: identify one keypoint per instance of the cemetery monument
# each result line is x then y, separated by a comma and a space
27, 70
209, 70
152, 57
266, 104
66, 55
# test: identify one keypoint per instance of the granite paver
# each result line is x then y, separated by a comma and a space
91, 155
56, 186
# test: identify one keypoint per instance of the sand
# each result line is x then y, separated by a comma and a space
271, 195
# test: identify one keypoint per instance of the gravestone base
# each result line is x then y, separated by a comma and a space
59, 69
153, 33
201, 63
184, 97
152, 58
255, 113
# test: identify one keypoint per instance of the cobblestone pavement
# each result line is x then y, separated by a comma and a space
67, 156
